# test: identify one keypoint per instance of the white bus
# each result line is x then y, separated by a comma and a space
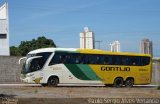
53, 66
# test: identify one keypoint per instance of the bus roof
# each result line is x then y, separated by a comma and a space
51, 50
96, 51
88, 51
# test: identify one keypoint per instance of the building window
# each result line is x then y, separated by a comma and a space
3, 36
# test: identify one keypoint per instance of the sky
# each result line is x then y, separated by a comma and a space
128, 21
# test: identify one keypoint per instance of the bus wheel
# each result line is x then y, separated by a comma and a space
129, 82
118, 82
53, 82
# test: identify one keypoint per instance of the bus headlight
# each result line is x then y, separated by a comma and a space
29, 75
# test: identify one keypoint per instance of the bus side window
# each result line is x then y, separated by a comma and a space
78, 58
83, 58
134, 61
86, 59
95, 59
68, 59
107, 60
125, 60
55, 59
98, 59
145, 61
62, 58
115, 60
91, 59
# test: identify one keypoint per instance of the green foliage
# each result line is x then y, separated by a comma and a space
15, 51
27, 46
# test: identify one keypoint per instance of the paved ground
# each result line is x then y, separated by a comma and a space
31, 94
80, 92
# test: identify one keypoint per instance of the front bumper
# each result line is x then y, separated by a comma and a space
26, 80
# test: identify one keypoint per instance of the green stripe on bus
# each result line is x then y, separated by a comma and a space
76, 71
88, 72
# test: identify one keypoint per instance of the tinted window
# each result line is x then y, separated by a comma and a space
57, 59
125, 60
145, 60
44, 58
77, 58
92, 59
116, 60
135, 61
106, 60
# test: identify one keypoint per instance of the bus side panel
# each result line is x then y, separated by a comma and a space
141, 74
69, 74
79, 73
54, 70
108, 73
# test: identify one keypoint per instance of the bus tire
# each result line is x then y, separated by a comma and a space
129, 82
118, 82
52, 82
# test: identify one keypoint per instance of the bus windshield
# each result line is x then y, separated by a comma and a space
35, 62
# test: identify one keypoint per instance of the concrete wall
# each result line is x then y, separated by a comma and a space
156, 72
9, 69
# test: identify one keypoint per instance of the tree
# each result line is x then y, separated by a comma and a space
14, 51
26, 46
